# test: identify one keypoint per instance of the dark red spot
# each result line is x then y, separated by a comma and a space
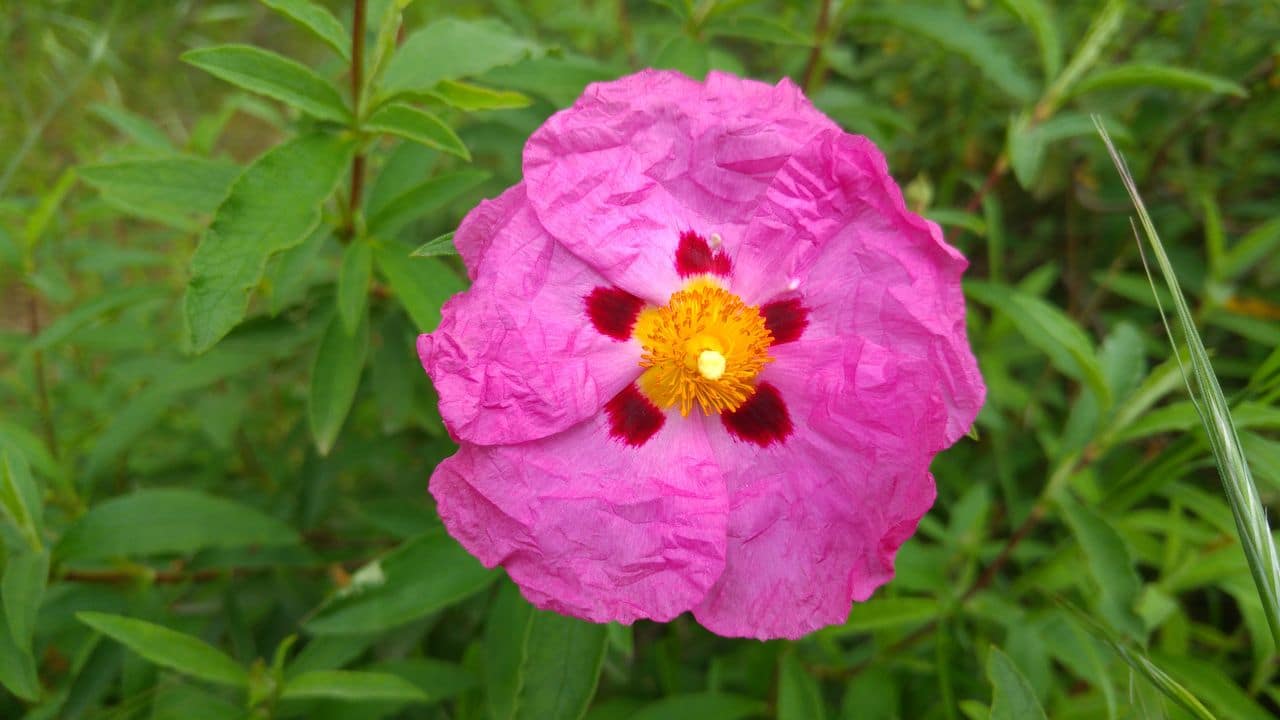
633, 418
785, 319
613, 311
695, 257
762, 419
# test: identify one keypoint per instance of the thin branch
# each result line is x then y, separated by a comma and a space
356, 197
813, 67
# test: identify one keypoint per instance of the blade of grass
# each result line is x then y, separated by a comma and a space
1215, 414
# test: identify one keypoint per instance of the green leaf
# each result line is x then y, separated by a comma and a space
417, 125
799, 697
558, 79
421, 199
1247, 509
22, 589
170, 520
1104, 26
352, 686
952, 31
560, 667
267, 73
169, 189
760, 28
683, 53
1028, 141
169, 648
1143, 665
420, 577
335, 377
179, 701
135, 127
469, 97
17, 667
1135, 75
20, 498
1069, 349
448, 49
887, 612
420, 284
353, 284
506, 635
701, 706
1110, 564
1012, 697
1037, 16
442, 245
1248, 251
318, 20
273, 206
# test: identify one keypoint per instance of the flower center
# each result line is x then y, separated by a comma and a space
704, 345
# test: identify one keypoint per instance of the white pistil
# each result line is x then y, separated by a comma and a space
711, 364
795, 283
715, 240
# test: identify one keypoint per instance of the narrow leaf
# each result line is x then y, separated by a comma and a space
169, 189
273, 75
335, 377
506, 634
1248, 251
468, 96
22, 589
1048, 328
20, 498
701, 706
353, 284
1134, 75
560, 668
421, 199
442, 245
799, 697
273, 205
419, 126
148, 522
1110, 564
352, 686
1104, 27
318, 20
954, 32
419, 577
1037, 16
420, 284
1012, 697
449, 49
169, 648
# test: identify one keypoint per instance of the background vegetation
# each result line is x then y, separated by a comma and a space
212, 480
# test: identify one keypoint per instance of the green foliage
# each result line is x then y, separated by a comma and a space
222, 226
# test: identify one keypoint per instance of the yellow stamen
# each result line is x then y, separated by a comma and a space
705, 346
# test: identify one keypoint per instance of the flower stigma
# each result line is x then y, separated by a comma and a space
705, 346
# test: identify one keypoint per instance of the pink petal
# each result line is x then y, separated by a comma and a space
635, 162
589, 526
834, 227
515, 358
815, 521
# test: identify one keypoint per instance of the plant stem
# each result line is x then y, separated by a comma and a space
357, 92
812, 67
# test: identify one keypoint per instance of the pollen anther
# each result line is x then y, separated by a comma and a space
705, 346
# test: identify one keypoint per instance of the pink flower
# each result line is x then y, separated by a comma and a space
705, 362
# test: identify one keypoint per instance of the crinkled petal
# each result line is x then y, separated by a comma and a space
635, 162
589, 526
816, 520
834, 227
515, 358
478, 229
